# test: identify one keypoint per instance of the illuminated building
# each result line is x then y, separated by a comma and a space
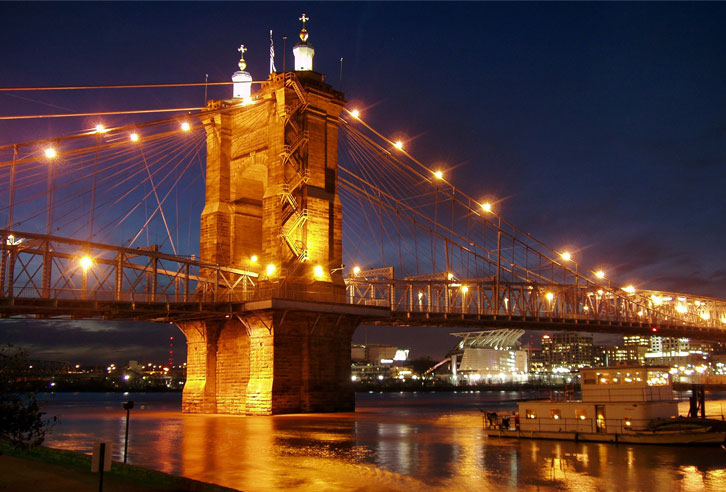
566, 351
378, 362
489, 357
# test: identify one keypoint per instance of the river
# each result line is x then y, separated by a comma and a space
392, 442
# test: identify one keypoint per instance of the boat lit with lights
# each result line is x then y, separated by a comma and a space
619, 404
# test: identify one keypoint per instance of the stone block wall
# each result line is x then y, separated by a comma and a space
268, 363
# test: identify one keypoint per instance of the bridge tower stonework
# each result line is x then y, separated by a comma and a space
272, 208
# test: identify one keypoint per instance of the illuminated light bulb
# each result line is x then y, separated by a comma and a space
318, 271
50, 153
134, 137
640, 313
186, 126
464, 289
246, 101
86, 262
253, 258
657, 300
600, 292
723, 319
487, 207
549, 296
566, 256
450, 276
270, 269
355, 113
705, 316
356, 270
421, 294
629, 289
681, 308
439, 174
398, 144
585, 308
100, 128
600, 274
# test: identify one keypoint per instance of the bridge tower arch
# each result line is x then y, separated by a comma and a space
271, 194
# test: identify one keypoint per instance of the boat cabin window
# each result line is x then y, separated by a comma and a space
657, 377
530, 414
581, 414
621, 377
555, 413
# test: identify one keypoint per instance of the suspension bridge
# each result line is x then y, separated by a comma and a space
106, 226
309, 217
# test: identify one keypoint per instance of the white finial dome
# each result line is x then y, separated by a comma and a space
242, 80
303, 51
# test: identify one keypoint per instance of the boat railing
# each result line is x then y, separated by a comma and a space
625, 393
606, 426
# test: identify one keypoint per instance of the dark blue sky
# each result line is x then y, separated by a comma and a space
602, 124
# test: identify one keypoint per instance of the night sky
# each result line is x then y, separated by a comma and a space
600, 127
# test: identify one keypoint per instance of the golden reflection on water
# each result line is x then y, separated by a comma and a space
382, 450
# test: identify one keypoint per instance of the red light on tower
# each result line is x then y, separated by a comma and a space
654, 329
171, 351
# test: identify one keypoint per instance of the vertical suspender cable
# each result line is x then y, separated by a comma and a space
11, 199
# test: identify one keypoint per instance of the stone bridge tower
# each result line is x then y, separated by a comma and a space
272, 207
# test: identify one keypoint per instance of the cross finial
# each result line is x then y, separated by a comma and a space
242, 63
303, 32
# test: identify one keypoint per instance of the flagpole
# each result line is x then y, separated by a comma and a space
284, 54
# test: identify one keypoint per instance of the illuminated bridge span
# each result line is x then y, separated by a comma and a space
312, 222
46, 276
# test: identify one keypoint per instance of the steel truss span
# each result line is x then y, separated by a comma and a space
45, 276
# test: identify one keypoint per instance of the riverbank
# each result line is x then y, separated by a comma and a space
45, 469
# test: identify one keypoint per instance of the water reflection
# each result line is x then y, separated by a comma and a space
392, 443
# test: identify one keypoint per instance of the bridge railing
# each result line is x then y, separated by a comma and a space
36, 266
525, 299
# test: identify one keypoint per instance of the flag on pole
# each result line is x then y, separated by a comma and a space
272, 54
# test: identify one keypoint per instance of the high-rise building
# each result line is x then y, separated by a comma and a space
610, 355
566, 350
636, 347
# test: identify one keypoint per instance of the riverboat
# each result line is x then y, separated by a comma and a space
619, 404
